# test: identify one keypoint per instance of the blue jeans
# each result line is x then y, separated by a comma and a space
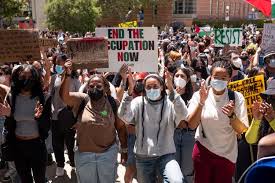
166, 165
184, 142
97, 167
131, 144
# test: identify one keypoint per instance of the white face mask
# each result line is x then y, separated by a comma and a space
2, 79
218, 85
193, 48
272, 63
179, 82
238, 63
193, 78
153, 94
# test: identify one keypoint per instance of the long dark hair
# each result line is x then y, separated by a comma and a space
204, 73
37, 88
188, 88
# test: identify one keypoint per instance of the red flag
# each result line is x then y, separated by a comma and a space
197, 29
263, 5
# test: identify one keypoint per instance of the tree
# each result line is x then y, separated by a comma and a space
77, 16
9, 9
123, 8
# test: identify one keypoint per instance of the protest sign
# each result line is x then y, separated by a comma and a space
136, 47
268, 39
250, 88
90, 52
19, 45
47, 43
128, 24
228, 36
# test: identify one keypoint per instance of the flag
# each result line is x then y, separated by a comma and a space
263, 5
273, 9
197, 29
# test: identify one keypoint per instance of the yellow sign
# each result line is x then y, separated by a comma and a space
128, 24
251, 88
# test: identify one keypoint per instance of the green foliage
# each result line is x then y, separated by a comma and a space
10, 8
217, 23
77, 16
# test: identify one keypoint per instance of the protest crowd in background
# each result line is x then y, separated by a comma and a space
178, 107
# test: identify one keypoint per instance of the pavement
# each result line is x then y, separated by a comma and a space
69, 176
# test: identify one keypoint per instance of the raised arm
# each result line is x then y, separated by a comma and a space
64, 91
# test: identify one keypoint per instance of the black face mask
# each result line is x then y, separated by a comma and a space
139, 87
172, 68
244, 57
25, 84
199, 69
95, 94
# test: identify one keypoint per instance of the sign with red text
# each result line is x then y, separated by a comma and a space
137, 47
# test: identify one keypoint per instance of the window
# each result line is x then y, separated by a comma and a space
184, 7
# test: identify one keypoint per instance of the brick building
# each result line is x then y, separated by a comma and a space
184, 11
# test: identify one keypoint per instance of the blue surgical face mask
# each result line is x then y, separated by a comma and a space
218, 85
59, 69
153, 94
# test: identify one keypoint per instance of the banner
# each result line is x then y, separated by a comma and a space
251, 88
136, 47
268, 39
273, 9
45, 43
19, 45
228, 36
88, 52
128, 24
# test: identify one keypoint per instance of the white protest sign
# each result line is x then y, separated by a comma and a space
137, 47
268, 39
228, 36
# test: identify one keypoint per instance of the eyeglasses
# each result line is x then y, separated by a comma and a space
96, 86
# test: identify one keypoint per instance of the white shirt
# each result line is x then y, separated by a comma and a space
220, 136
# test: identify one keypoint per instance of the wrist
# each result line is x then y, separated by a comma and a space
201, 104
124, 150
232, 116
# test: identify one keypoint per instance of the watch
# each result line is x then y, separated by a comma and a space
232, 116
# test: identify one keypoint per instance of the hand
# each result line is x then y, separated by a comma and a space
228, 109
131, 83
47, 64
123, 71
180, 90
68, 67
5, 109
124, 157
38, 110
269, 112
203, 92
257, 111
168, 80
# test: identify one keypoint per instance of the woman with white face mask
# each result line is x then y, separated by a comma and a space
184, 136
155, 117
218, 118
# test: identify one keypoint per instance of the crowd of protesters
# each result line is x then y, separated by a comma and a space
179, 125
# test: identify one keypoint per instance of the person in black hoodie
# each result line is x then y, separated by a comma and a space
27, 123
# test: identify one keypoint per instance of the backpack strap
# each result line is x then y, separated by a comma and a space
231, 95
113, 103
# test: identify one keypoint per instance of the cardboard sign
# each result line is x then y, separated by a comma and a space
228, 36
251, 88
19, 45
128, 24
47, 43
268, 39
136, 47
90, 52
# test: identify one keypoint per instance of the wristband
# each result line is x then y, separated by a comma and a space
124, 150
201, 104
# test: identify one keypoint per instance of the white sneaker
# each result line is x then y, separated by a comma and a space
59, 172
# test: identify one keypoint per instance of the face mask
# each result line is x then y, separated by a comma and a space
199, 69
193, 48
25, 84
237, 63
153, 94
272, 63
179, 82
193, 78
139, 87
95, 94
2, 79
218, 85
172, 68
59, 69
